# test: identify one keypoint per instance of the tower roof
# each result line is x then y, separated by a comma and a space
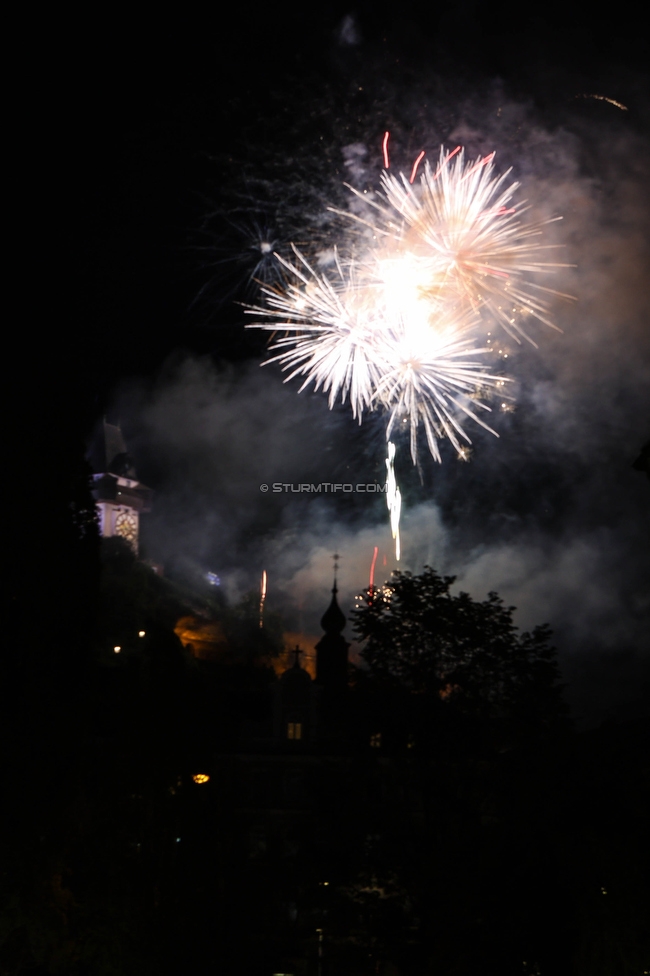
108, 453
333, 620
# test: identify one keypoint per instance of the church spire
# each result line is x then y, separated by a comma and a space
333, 620
332, 649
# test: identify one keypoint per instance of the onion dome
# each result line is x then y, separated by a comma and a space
333, 620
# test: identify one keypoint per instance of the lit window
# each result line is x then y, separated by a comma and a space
294, 730
375, 740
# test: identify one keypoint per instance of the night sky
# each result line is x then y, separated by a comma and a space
186, 144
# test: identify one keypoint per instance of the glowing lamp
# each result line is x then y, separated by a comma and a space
201, 778
117, 649
141, 633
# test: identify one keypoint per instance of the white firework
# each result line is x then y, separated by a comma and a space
331, 332
463, 241
379, 355
431, 377
394, 327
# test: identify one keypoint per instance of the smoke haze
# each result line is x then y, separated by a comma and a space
551, 514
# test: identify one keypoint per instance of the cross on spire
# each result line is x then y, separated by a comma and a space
297, 652
335, 557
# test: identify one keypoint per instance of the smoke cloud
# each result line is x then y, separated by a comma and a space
551, 514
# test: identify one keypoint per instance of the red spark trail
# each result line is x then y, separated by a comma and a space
384, 147
446, 160
372, 570
481, 162
415, 166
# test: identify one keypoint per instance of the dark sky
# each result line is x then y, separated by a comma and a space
185, 143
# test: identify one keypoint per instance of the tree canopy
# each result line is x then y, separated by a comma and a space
421, 637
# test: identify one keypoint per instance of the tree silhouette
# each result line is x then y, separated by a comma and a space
466, 654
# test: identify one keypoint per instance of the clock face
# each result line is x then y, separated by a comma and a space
126, 525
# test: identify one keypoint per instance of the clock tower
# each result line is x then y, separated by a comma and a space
120, 497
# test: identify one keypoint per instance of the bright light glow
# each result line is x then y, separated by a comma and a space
393, 325
117, 649
473, 248
201, 778
393, 498
141, 633
213, 579
378, 347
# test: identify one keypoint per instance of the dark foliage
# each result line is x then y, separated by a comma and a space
465, 657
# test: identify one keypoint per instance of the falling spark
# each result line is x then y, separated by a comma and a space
384, 148
603, 98
262, 597
372, 571
415, 167
393, 498
444, 161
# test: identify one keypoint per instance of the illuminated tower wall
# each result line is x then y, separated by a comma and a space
120, 497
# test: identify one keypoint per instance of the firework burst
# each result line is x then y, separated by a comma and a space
459, 235
330, 332
337, 336
393, 326
431, 377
